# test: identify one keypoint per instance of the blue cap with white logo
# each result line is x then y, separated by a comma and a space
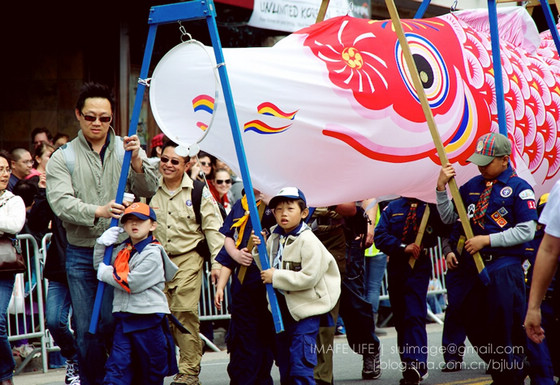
287, 192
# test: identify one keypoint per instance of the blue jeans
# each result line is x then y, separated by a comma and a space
57, 311
92, 348
375, 270
7, 363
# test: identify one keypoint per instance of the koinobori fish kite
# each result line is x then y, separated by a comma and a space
332, 108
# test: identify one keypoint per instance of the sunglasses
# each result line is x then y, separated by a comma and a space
205, 163
102, 119
174, 162
226, 181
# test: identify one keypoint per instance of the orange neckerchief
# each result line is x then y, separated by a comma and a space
122, 267
242, 222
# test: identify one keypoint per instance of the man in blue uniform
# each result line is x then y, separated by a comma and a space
460, 278
395, 235
502, 211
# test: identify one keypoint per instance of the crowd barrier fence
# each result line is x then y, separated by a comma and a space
27, 321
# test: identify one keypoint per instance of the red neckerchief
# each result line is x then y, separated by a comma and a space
121, 266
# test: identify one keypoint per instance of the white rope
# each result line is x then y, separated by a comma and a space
217, 83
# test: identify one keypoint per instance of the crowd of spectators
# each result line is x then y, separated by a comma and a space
76, 206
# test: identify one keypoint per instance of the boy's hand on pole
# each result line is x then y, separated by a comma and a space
102, 270
266, 275
110, 236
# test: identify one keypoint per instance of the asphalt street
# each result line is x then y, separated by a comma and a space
347, 366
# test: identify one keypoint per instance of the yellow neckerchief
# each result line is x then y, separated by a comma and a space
242, 222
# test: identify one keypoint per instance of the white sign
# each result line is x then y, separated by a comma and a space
292, 15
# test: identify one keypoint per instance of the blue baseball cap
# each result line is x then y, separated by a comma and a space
287, 192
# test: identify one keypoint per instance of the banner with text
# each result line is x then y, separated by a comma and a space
290, 15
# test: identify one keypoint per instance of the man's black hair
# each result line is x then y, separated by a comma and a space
40, 130
299, 201
95, 90
170, 143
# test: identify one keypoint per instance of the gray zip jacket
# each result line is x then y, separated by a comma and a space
148, 272
74, 196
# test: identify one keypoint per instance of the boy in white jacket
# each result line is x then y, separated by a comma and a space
307, 282
140, 267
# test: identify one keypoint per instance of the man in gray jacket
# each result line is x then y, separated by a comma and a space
82, 181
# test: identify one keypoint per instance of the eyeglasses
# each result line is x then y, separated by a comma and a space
6, 170
205, 163
174, 162
27, 162
102, 119
226, 181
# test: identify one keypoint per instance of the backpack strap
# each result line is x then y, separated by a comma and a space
70, 155
197, 198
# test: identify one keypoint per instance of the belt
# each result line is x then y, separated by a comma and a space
490, 257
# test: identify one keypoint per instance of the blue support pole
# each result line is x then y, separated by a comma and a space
422, 10
241, 158
171, 13
497, 62
125, 168
551, 25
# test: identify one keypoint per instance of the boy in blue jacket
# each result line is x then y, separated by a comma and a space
140, 267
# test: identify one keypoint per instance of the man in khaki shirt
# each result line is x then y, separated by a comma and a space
179, 233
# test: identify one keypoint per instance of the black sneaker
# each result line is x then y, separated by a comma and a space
452, 366
371, 369
412, 376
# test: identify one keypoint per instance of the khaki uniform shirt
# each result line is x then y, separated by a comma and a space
177, 229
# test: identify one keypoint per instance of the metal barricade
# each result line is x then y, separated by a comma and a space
206, 309
26, 315
438, 274
51, 346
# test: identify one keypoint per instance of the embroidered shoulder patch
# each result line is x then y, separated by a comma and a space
470, 210
527, 194
206, 194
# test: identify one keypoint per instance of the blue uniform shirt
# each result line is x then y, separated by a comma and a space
237, 211
512, 201
390, 228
